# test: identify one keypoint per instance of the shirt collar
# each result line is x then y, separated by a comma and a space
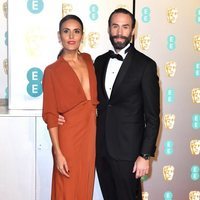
122, 51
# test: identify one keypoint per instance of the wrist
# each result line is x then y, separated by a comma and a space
145, 156
57, 151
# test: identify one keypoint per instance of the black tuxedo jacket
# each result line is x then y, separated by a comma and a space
128, 122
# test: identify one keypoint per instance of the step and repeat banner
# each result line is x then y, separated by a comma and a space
169, 32
33, 42
3, 51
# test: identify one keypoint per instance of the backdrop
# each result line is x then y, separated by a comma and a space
36, 46
167, 31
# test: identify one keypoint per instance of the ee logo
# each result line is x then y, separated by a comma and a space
195, 173
35, 6
94, 12
146, 12
6, 38
168, 195
198, 15
6, 93
197, 69
34, 87
170, 95
169, 150
196, 121
171, 42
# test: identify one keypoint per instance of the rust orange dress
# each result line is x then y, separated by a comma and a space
63, 94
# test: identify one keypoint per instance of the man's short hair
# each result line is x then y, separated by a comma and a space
124, 11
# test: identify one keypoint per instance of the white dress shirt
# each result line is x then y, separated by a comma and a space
113, 68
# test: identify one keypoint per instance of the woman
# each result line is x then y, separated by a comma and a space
69, 89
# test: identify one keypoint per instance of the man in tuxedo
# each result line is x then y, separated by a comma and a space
128, 112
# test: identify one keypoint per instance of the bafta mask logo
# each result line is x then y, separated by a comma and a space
5, 66
66, 9
168, 172
172, 15
5, 9
195, 147
145, 195
145, 41
169, 121
196, 42
196, 95
34, 39
170, 68
93, 38
194, 195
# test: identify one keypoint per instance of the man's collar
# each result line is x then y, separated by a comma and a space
123, 51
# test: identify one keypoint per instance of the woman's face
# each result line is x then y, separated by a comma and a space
71, 35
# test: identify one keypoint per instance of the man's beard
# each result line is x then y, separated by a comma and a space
120, 45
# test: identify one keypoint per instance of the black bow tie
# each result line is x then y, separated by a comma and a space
114, 55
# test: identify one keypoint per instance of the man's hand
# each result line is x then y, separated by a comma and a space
141, 167
61, 120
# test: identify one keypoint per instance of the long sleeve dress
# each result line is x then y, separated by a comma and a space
63, 94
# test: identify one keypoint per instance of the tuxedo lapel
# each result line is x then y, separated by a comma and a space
128, 62
103, 74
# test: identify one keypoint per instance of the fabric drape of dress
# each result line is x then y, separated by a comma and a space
63, 94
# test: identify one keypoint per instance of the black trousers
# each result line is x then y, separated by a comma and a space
116, 179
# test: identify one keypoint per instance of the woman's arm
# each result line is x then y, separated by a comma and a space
59, 159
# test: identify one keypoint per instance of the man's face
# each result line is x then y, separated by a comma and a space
120, 30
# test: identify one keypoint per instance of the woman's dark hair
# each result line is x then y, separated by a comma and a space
66, 18
123, 11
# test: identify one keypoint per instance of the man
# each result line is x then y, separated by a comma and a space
128, 112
